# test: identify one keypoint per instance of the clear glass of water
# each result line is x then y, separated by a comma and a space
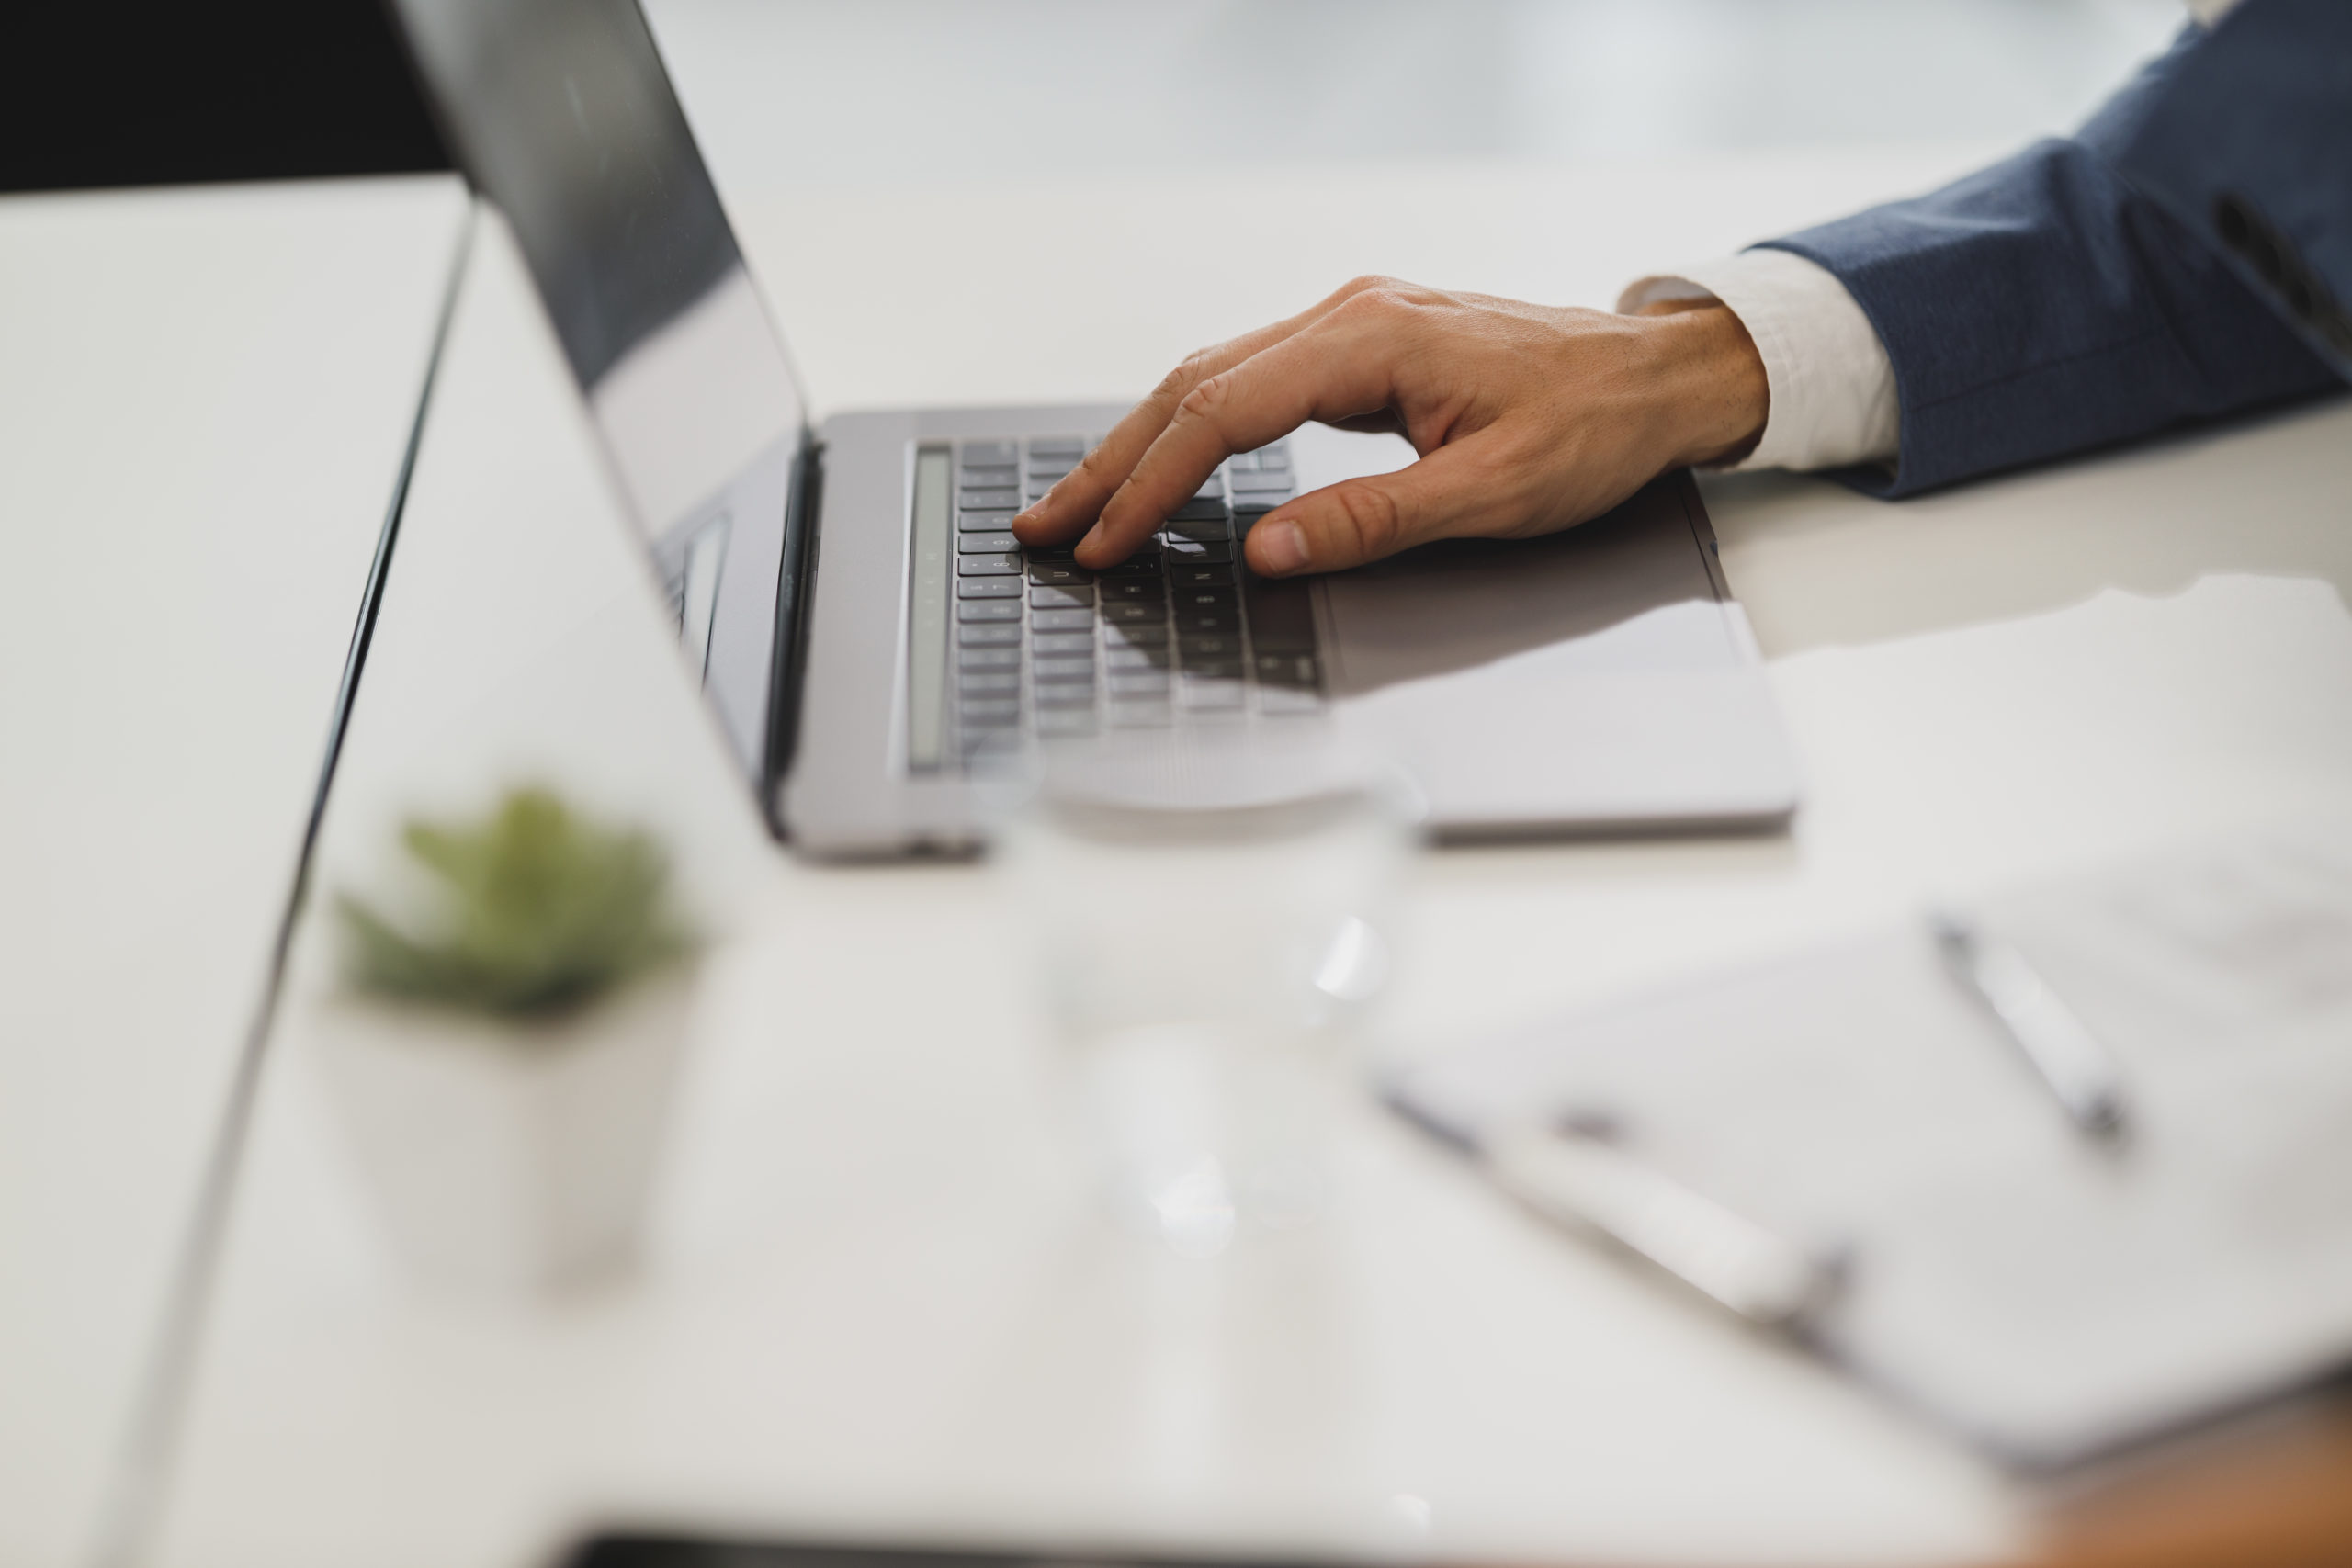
1209, 925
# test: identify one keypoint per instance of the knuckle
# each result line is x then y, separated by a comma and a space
1094, 467
1368, 283
1195, 368
1390, 305
1206, 399
1368, 517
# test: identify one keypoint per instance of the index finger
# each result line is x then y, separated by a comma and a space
1331, 371
1077, 499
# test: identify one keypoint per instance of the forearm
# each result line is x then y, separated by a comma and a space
2047, 305
2039, 309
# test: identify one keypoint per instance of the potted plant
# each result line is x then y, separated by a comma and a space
505, 1040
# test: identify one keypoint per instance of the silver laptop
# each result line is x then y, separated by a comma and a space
870, 635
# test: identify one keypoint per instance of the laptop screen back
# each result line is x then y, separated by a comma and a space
562, 115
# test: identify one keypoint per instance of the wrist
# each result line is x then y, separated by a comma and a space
1713, 397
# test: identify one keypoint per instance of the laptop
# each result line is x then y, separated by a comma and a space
871, 638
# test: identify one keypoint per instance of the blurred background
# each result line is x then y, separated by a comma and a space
851, 92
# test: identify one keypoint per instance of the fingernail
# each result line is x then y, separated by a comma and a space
1283, 548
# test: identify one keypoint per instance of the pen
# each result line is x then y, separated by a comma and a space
2061, 1048
1588, 1184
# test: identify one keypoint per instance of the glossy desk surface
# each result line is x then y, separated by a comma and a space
874, 1301
204, 399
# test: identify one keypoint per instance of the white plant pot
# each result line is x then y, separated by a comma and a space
502, 1156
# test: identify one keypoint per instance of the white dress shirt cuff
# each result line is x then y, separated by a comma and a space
1832, 390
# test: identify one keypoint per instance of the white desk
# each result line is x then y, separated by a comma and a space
873, 1304
204, 398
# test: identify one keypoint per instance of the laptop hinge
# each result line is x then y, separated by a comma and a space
802, 531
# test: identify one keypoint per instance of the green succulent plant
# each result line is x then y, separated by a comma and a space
532, 912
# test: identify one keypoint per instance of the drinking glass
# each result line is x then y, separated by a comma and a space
1209, 922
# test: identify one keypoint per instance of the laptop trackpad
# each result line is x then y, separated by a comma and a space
1590, 678
1626, 591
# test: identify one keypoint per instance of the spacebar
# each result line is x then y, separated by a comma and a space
1282, 614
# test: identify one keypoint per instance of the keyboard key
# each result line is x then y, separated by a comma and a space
1050, 573
1213, 669
1141, 715
1005, 496
1191, 552
1197, 510
989, 684
1066, 721
1061, 620
1249, 508
1212, 489
1152, 685
1197, 647
1133, 589
1118, 657
1060, 670
1067, 697
1134, 634
988, 588
1282, 615
977, 543
1071, 446
988, 478
1294, 669
990, 454
988, 609
1005, 636
1241, 463
988, 658
1273, 459
1207, 622
1002, 563
989, 713
1062, 642
1245, 482
1211, 597
1065, 554
1204, 532
1129, 613
1144, 563
1200, 576
1068, 598
993, 522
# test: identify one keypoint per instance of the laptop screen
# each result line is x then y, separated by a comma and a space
562, 115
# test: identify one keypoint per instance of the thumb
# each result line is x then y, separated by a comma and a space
1361, 520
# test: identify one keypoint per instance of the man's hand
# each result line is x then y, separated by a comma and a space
1528, 417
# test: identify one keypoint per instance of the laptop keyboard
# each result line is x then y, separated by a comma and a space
1179, 634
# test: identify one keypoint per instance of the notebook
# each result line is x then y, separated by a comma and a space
2050, 1294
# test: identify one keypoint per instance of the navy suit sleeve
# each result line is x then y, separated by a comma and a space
2041, 307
